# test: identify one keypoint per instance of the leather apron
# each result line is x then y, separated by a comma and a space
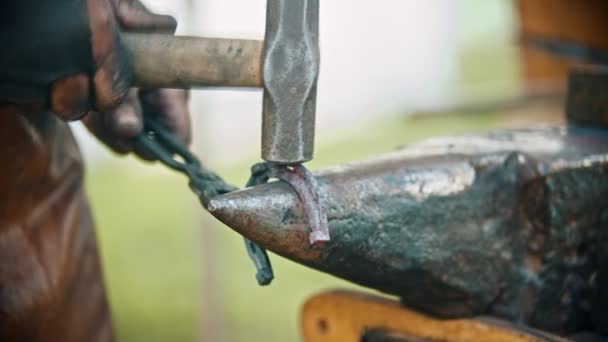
51, 284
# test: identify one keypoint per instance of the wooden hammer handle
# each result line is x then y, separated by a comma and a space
165, 61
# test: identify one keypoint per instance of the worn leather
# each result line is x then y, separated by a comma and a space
51, 284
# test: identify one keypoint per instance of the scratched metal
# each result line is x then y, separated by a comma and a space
290, 69
510, 224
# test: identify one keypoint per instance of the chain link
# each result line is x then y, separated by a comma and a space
205, 183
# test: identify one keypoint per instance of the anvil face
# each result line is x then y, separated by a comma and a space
510, 224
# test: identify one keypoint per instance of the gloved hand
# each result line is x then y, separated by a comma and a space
66, 56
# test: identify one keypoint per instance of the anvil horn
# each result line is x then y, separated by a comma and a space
455, 226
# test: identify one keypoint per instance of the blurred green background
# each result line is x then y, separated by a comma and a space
175, 274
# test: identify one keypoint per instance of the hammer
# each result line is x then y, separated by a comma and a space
285, 64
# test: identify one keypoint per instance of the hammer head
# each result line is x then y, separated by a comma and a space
290, 69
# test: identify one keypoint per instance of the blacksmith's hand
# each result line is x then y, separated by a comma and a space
66, 56
119, 127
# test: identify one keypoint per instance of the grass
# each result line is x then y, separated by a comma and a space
168, 267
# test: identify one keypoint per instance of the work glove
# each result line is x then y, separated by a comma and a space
66, 56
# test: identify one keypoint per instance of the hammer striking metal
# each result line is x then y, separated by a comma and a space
285, 64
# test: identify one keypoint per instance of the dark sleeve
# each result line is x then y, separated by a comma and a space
43, 40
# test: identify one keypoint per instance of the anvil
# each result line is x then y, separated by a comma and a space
510, 224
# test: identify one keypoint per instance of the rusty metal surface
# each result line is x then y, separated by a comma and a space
587, 100
510, 224
290, 69
166, 61
306, 187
